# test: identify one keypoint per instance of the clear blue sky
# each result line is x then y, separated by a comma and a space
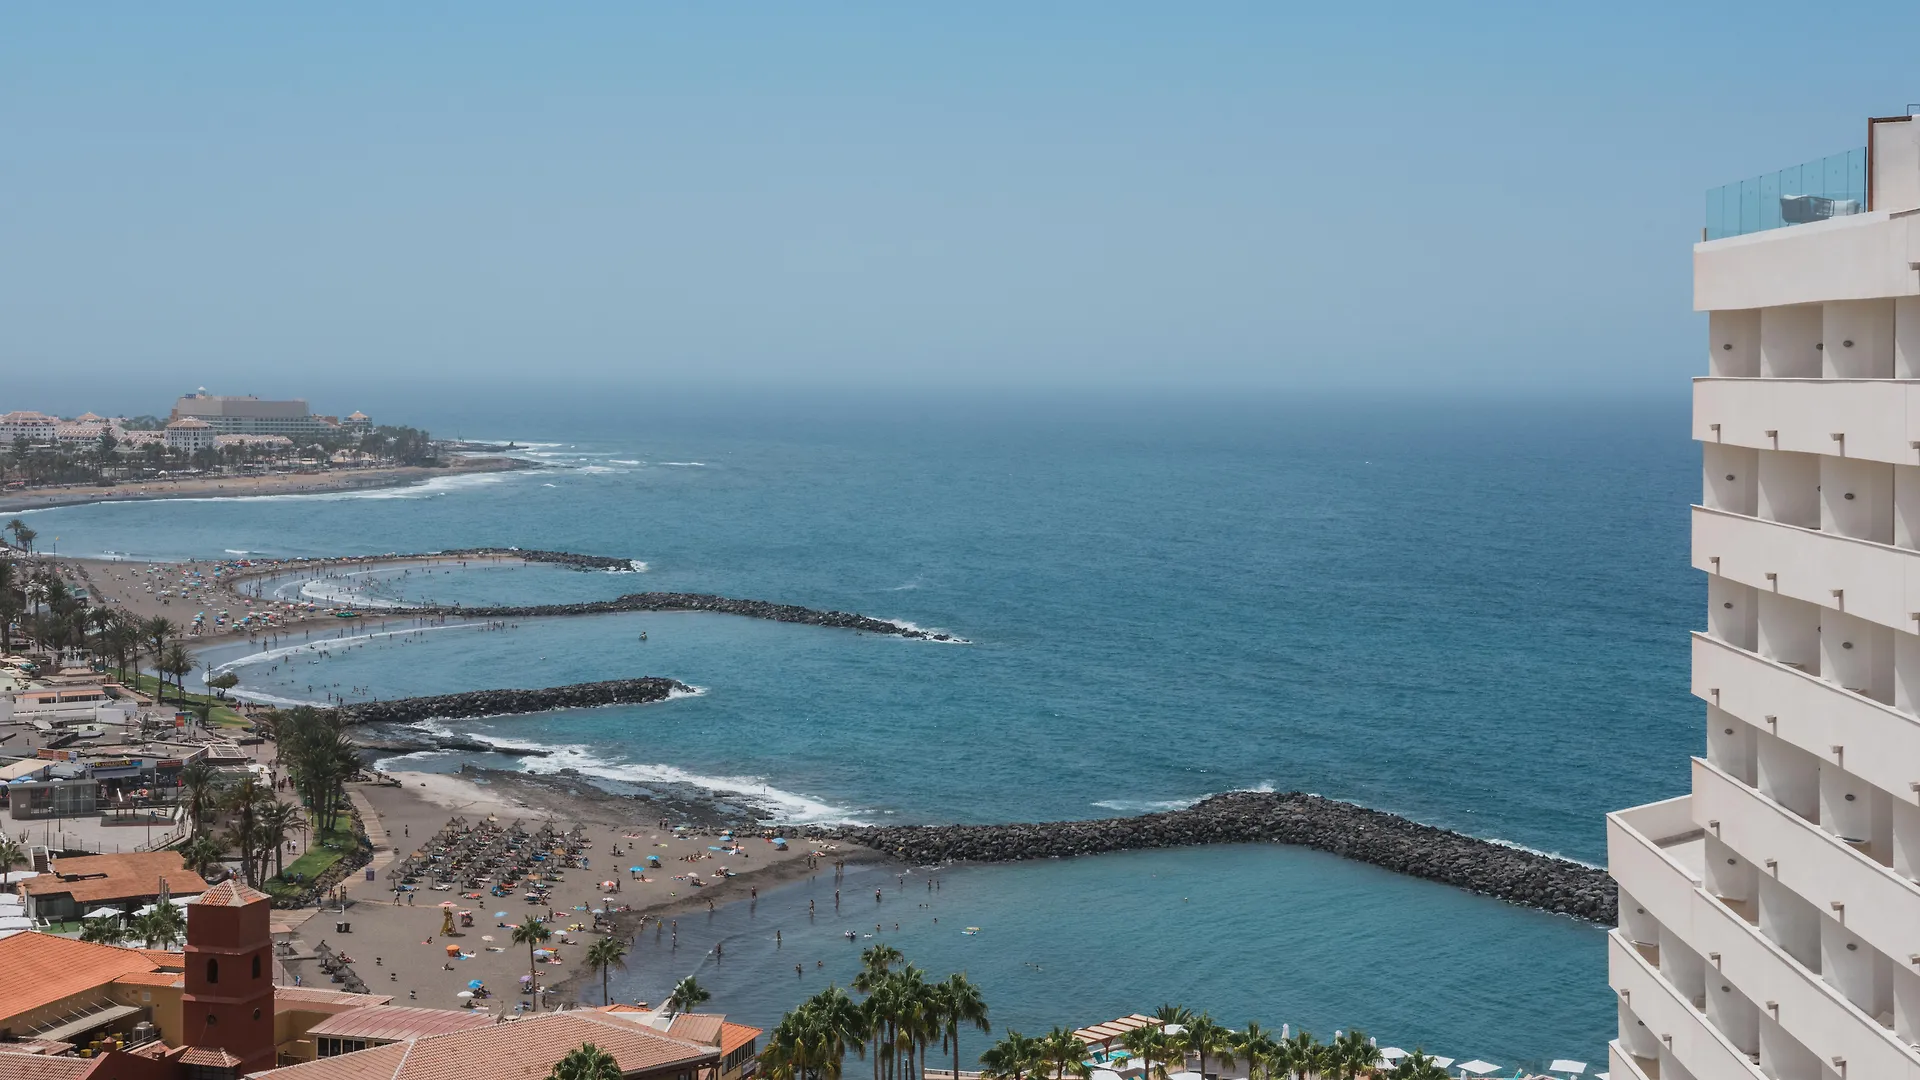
264, 199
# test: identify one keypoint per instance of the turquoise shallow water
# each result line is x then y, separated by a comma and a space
1470, 613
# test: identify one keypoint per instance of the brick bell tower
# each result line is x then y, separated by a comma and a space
228, 1002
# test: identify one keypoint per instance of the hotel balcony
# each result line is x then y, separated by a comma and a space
1877, 743
1675, 1023
1869, 900
1828, 187
1862, 419
1877, 582
1622, 1064
1657, 855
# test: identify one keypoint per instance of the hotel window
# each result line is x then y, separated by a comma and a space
256, 967
213, 970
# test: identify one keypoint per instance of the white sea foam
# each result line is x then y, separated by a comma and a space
237, 551
620, 461
549, 485
1145, 806
687, 464
952, 639
267, 656
634, 566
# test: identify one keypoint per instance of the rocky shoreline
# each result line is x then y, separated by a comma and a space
1375, 837
666, 601
513, 702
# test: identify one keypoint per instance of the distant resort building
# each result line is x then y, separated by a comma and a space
249, 415
31, 426
189, 435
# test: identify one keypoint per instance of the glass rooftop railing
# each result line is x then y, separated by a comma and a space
1833, 186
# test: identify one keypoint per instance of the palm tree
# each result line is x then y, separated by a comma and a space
1300, 1055
960, 1004
178, 662
1011, 1058
247, 799
686, 994
274, 822
1255, 1046
161, 927
196, 789
23, 537
1352, 1055
811, 1042
589, 1062
202, 853
11, 854
875, 965
1173, 1014
13, 602
1150, 1044
1417, 1066
105, 931
1205, 1037
602, 955
532, 933
1063, 1055
158, 631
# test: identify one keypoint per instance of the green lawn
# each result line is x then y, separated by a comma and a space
222, 715
317, 861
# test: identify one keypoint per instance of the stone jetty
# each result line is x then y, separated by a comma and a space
1354, 832
571, 559
665, 601
513, 702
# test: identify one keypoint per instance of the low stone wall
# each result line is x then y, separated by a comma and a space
1370, 836
513, 702
663, 601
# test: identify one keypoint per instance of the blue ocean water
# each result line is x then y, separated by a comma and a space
1471, 613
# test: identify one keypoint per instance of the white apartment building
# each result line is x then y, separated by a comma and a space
249, 415
1770, 919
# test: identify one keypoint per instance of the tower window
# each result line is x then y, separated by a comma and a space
213, 970
256, 967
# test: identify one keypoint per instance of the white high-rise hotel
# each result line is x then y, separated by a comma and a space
1770, 920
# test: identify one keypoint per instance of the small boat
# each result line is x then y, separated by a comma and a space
971, 930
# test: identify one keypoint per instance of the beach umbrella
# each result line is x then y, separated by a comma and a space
636, 869
453, 950
499, 914
447, 903
1567, 1065
486, 937
1391, 1054
1478, 1067
474, 984
464, 994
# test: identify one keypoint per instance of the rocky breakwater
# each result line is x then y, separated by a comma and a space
664, 601
571, 559
1370, 836
514, 702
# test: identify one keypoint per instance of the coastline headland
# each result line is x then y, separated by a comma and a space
1382, 839
513, 702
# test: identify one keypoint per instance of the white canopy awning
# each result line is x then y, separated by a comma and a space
1392, 1053
1567, 1065
101, 913
1478, 1067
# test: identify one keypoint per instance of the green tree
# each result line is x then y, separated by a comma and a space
589, 1062
222, 683
960, 1005
811, 1042
1012, 1058
1153, 1046
1417, 1066
197, 782
202, 853
11, 855
1255, 1046
602, 956
178, 662
108, 930
1205, 1037
274, 824
23, 537
686, 995
160, 928
532, 933
1063, 1055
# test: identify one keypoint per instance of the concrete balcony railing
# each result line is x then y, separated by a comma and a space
1815, 1014
1696, 1044
1879, 418
1880, 906
1880, 743
1622, 1064
1876, 582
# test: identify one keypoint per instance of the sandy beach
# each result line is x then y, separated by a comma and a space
277, 484
399, 949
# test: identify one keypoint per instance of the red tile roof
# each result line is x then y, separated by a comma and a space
231, 893
42, 1067
702, 1028
212, 1056
521, 1050
394, 1023
96, 879
735, 1036
41, 969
